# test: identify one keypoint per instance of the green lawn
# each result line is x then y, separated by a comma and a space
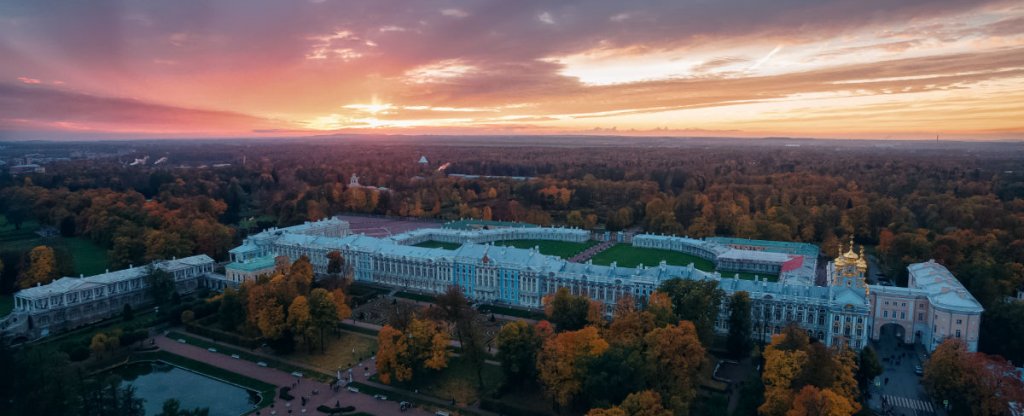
438, 244
89, 258
563, 249
6, 304
628, 256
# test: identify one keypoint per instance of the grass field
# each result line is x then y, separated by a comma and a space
89, 259
457, 381
6, 304
563, 249
339, 352
629, 256
438, 244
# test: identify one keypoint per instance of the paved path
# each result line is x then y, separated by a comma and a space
304, 387
592, 251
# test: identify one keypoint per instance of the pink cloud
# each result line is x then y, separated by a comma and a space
27, 80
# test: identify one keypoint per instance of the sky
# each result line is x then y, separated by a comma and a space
879, 69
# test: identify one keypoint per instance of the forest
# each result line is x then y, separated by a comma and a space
959, 203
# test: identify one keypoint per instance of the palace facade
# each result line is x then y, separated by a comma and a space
70, 302
843, 311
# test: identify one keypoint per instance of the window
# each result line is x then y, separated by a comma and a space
885, 314
959, 321
958, 333
920, 316
903, 315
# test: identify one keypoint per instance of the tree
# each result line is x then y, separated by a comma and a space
231, 312
390, 356
812, 401
323, 311
566, 311
562, 360
127, 313
335, 262
738, 341
300, 275
612, 376
674, 355
265, 312
1002, 331
792, 362
643, 403
974, 383
187, 316
299, 321
868, 367
172, 407
42, 267
99, 344
518, 344
696, 301
629, 325
160, 285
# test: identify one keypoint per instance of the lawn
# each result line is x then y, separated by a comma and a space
458, 381
6, 304
89, 258
628, 256
339, 352
438, 244
563, 249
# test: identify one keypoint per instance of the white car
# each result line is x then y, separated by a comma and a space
380, 397
211, 349
353, 389
235, 356
182, 341
261, 364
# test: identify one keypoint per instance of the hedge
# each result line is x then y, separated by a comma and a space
222, 336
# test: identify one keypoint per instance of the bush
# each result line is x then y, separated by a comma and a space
285, 394
218, 335
335, 410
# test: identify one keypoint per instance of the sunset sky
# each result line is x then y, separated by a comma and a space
818, 68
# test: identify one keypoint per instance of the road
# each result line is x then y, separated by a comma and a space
901, 388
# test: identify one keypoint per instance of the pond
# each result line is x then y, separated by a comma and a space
158, 381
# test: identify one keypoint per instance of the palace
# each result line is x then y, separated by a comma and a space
844, 311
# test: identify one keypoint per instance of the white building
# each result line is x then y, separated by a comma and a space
70, 302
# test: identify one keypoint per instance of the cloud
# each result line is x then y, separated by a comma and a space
546, 18
27, 80
456, 13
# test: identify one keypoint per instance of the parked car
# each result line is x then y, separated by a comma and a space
380, 397
403, 406
235, 356
918, 370
353, 389
211, 349
261, 364
441, 413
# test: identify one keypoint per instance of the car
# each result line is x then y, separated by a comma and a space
380, 397
261, 364
182, 341
918, 370
353, 389
296, 374
441, 413
211, 349
403, 406
235, 356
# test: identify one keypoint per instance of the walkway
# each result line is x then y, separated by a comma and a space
591, 251
303, 387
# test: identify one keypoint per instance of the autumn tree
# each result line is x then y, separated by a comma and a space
868, 367
562, 360
812, 401
643, 403
42, 267
738, 341
400, 355
974, 383
323, 311
792, 361
300, 275
518, 344
674, 355
299, 320
629, 325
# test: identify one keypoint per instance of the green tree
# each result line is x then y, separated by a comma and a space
160, 285
738, 341
566, 311
127, 313
1002, 331
868, 367
518, 344
696, 301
